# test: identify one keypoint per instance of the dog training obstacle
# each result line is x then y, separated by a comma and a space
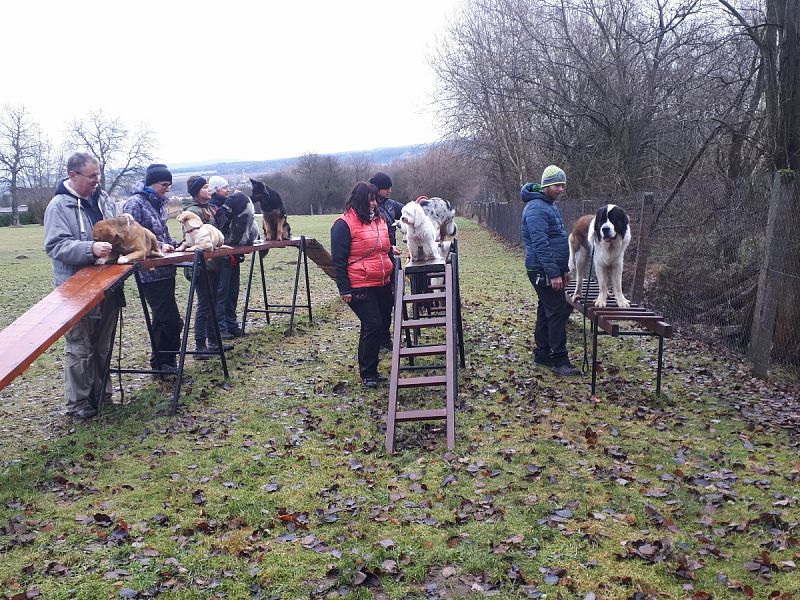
436, 309
607, 320
306, 247
27, 338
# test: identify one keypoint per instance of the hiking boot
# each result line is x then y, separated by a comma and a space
236, 332
226, 335
565, 370
212, 346
369, 382
200, 346
82, 411
544, 361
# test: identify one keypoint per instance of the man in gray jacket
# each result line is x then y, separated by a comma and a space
68, 223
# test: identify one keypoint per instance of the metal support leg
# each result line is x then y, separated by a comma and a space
594, 356
660, 362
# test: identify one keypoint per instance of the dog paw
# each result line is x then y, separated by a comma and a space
101, 261
600, 303
623, 302
123, 260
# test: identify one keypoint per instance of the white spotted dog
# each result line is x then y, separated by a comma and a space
439, 211
420, 233
607, 234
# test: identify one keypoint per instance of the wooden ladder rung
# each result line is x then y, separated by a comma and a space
406, 382
421, 415
417, 323
429, 350
424, 297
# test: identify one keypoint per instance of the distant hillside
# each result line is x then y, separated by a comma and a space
377, 156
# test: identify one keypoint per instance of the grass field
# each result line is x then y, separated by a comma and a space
274, 483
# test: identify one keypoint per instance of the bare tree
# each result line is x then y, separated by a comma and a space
19, 147
320, 182
122, 153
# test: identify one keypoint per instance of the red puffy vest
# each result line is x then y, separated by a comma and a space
369, 264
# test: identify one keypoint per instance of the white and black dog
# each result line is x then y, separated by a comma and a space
606, 235
420, 233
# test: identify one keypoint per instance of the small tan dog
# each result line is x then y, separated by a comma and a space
197, 235
129, 240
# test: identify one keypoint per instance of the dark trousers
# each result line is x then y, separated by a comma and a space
203, 327
228, 295
552, 313
165, 319
372, 306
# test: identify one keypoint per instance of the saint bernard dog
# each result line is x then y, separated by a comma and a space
606, 235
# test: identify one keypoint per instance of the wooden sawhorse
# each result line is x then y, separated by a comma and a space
607, 319
283, 309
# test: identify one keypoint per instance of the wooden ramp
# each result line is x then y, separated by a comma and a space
436, 307
24, 340
609, 318
321, 256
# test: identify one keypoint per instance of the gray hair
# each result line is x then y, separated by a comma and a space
77, 161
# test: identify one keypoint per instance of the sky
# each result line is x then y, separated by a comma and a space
234, 79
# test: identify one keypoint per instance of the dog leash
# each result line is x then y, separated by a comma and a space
585, 366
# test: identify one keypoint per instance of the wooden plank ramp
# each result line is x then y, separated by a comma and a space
27, 338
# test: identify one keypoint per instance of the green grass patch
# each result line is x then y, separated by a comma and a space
274, 482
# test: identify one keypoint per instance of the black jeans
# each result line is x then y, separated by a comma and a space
372, 306
165, 319
203, 327
552, 313
228, 295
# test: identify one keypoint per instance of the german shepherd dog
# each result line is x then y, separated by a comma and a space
276, 228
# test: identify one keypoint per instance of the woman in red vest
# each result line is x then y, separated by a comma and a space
361, 251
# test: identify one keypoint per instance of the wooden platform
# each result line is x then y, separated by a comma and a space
610, 319
46, 321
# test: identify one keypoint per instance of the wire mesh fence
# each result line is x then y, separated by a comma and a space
699, 257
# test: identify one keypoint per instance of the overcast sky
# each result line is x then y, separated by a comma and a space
230, 80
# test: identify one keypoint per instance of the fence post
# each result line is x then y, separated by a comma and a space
643, 245
769, 283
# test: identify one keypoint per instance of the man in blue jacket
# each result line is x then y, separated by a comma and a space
546, 260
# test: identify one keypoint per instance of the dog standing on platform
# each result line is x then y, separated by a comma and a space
420, 233
129, 240
605, 236
276, 228
441, 215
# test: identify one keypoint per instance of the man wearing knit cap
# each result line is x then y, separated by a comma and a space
546, 261
391, 210
148, 207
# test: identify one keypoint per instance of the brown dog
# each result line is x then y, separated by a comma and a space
129, 240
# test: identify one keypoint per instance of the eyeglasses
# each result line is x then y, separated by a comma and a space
92, 177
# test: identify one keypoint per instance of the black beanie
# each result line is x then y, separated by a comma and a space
381, 181
196, 185
156, 173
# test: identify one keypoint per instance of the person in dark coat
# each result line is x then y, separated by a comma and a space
546, 261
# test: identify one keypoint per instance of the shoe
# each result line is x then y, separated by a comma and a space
237, 333
200, 346
226, 335
83, 411
370, 382
545, 361
168, 369
565, 370
214, 348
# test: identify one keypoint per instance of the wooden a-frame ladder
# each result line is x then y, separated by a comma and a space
433, 306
